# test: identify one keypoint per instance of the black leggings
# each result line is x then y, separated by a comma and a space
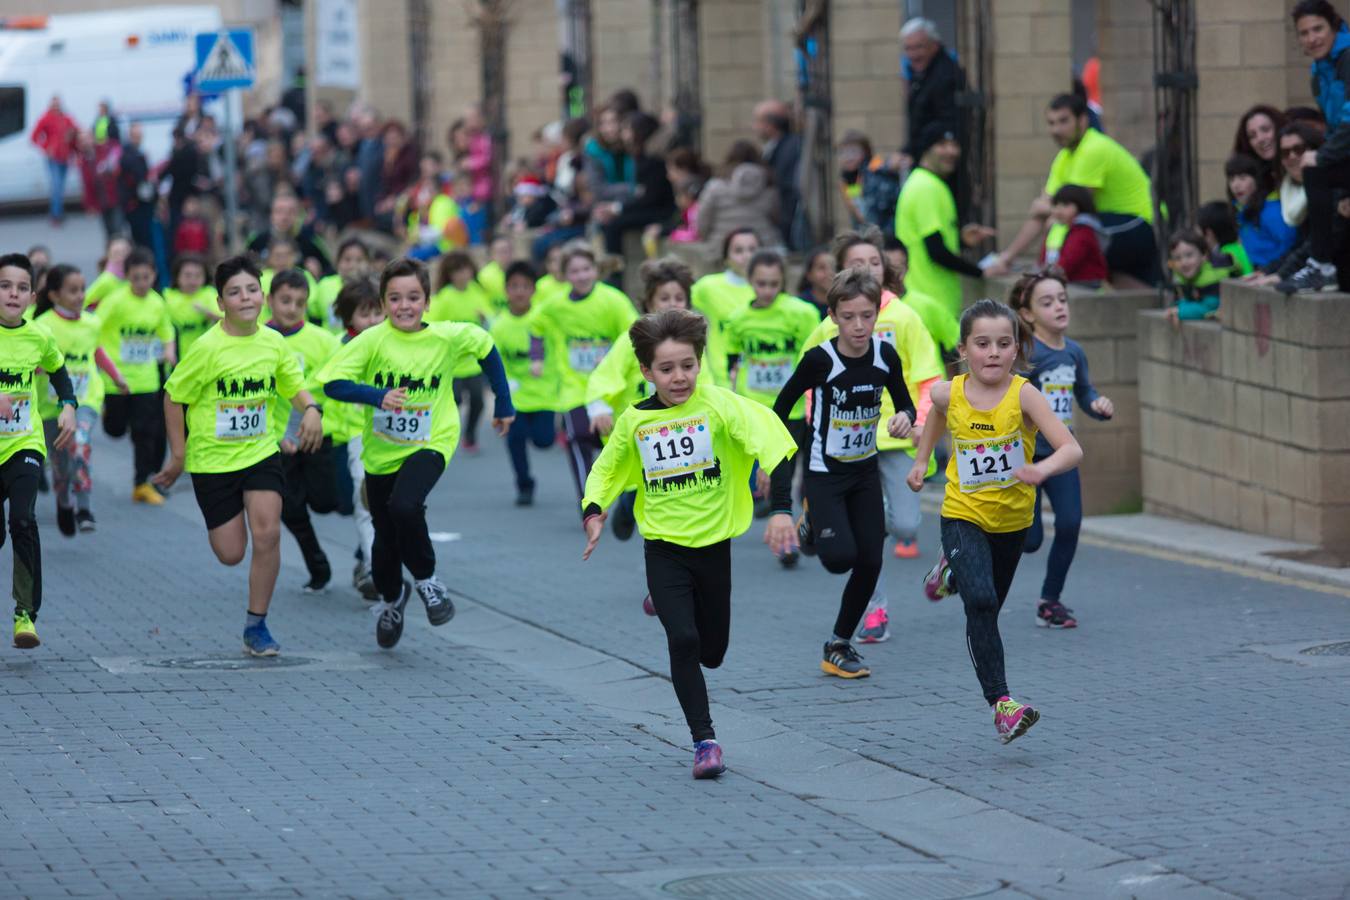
473, 388
691, 590
144, 414
398, 510
848, 520
311, 483
1326, 241
583, 446
18, 488
983, 565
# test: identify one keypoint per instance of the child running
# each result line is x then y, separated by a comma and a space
492, 276
60, 309
402, 369
532, 373
191, 301
112, 276
721, 295
689, 451
582, 325
25, 348
215, 404
462, 299
844, 521
138, 336
310, 480
358, 307
353, 262
993, 416
1059, 370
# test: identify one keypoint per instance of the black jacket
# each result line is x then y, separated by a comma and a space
933, 98
785, 160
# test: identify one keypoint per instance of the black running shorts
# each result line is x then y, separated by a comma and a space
221, 494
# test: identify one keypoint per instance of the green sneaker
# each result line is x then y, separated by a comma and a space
25, 635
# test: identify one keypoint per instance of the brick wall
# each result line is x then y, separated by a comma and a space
1246, 424
1125, 47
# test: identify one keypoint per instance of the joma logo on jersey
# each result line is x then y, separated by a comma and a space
981, 426
857, 388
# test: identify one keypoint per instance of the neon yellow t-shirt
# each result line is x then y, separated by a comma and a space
769, 341
78, 340
24, 350
187, 321
450, 304
135, 331
312, 346
719, 298
548, 288
899, 326
690, 464
104, 285
421, 362
926, 205
515, 336
492, 278
1117, 181
320, 308
581, 332
226, 381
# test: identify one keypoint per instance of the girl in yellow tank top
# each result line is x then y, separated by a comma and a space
993, 416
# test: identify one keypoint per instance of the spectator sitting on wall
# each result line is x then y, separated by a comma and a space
1081, 256
1261, 227
1121, 190
1218, 226
688, 175
1296, 139
1258, 137
284, 221
782, 153
742, 196
869, 183
652, 201
611, 172
1195, 283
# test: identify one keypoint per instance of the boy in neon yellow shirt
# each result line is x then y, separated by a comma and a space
215, 404
353, 262
191, 301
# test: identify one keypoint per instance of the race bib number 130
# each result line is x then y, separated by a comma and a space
241, 421
989, 464
675, 448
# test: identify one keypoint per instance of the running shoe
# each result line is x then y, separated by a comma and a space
938, 583
1310, 279
906, 549
440, 609
843, 661
789, 559
623, 522
389, 621
84, 519
25, 635
258, 641
65, 520
364, 583
318, 581
708, 759
525, 498
876, 627
648, 606
1055, 615
806, 539
146, 493
1013, 719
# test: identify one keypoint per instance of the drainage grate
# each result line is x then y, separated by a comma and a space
231, 662
843, 884
1341, 648
228, 663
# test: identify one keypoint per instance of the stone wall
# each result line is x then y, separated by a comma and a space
1246, 423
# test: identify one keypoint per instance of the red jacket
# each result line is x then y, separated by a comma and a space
98, 171
54, 134
1081, 256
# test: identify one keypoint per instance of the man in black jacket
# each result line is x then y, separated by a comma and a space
935, 82
772, 124
135, 190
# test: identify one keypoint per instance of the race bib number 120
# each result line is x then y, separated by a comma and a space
989, 464
1060, 398
675, 448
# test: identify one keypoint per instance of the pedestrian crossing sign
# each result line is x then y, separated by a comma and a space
224, 60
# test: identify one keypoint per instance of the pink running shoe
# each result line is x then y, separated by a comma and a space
648, 606
708, 760
876, 627
1013, 719
938, 582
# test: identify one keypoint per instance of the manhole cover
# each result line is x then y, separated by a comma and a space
853, 884
228, 663
1342, 648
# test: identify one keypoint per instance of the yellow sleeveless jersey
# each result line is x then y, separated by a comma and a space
988, 447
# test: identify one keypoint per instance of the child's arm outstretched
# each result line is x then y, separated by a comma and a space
176, 431
1067, 452
933, 429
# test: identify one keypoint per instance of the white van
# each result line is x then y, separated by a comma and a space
139, 60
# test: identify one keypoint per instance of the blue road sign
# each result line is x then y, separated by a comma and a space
224, 60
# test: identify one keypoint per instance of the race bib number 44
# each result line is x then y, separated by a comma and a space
675, 448
768, 375
241, 421
584, 356
990, 464
409, 425
852, 440
20, 418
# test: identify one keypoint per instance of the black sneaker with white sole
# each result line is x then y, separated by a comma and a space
440, 609
389, 621
318, 581
1310, 279
84, 520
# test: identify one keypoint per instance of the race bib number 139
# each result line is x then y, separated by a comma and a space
409, 425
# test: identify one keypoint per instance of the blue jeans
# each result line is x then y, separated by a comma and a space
56, 174
533, 428
1066, 496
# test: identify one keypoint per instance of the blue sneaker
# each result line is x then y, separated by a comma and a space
258, 641
708, 760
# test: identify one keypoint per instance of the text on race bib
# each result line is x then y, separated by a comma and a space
409, 425
675, 448
886, 332
236, 421
990, 464
583, 356
1060, 398
767, 374
141, 350
851, 440
20, 418
78, 380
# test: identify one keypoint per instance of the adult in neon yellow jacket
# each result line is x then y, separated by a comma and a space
688, 451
